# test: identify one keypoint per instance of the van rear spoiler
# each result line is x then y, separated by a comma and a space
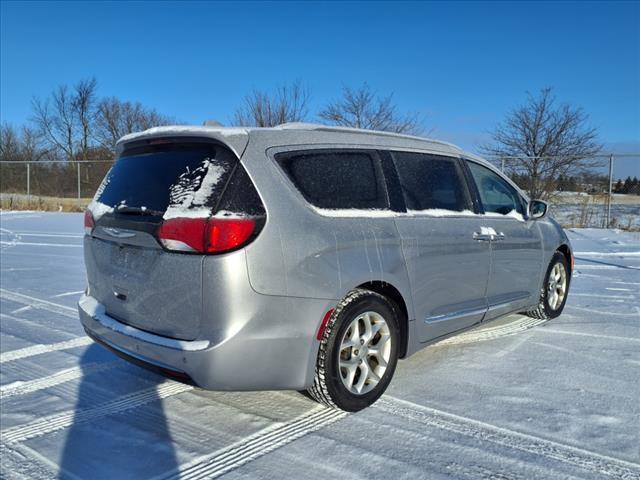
235, 138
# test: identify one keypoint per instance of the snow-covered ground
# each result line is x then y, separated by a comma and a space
623, 215
512, 399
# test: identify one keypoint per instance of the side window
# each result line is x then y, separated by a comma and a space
431, 182
496, 194
337, 179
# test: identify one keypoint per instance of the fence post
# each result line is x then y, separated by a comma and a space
610, 191
78, 182
28, 181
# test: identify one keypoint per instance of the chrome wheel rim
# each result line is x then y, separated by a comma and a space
364, 354
557, 286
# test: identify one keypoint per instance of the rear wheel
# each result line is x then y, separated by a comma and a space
358, 352
553, 295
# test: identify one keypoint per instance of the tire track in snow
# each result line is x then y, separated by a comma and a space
255, 446
4, 244
491, 333
66, 294
23, 388
591, 335
38, 303
14, 462
584, 459
61, 420
48, 324
43, 348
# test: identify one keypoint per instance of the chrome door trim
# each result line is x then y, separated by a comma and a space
455, 315
510, 303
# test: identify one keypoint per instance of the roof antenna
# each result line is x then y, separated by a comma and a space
212, 123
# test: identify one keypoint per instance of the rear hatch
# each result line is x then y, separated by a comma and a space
144, 248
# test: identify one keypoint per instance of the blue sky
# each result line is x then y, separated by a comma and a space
461, 65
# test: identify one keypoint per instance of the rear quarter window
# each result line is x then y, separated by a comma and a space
337, 179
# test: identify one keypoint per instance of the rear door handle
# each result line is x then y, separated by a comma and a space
488, 235
482, 237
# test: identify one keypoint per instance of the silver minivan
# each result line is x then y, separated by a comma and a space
307, 257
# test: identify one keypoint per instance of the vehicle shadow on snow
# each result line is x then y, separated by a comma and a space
135, 443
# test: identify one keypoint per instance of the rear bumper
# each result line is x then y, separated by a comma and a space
275, 349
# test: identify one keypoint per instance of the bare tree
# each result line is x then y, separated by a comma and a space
544, 140
267, 109
64, 121
363, 108
19, 145
9, 143
115, 118
84, 109
30, 146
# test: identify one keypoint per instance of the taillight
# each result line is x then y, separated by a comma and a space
89, 224
229, 233
201, 235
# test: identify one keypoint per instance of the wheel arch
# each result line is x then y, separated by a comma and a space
392, 293
566, 251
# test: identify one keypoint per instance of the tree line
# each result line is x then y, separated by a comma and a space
628, 186
73, 123
541, 140
587, 182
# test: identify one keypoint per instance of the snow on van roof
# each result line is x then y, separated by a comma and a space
299, 126
237, 138
359, 131
234, 137
184, 129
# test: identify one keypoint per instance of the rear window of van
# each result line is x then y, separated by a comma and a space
185, 177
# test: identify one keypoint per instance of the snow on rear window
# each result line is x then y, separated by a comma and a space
174, 180
188, 197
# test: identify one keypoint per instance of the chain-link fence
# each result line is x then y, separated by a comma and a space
605, 195
50, 185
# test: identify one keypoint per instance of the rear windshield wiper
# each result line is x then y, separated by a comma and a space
142, 211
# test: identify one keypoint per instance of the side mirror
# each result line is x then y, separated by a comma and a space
537, 209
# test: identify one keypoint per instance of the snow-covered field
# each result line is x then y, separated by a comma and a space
623, 215
513, 399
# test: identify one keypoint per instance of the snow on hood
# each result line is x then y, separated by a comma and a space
189, 195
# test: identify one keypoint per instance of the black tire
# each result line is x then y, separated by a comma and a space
328, 387
544, 310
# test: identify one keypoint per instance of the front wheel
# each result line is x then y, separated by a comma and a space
553, 295
358, 352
